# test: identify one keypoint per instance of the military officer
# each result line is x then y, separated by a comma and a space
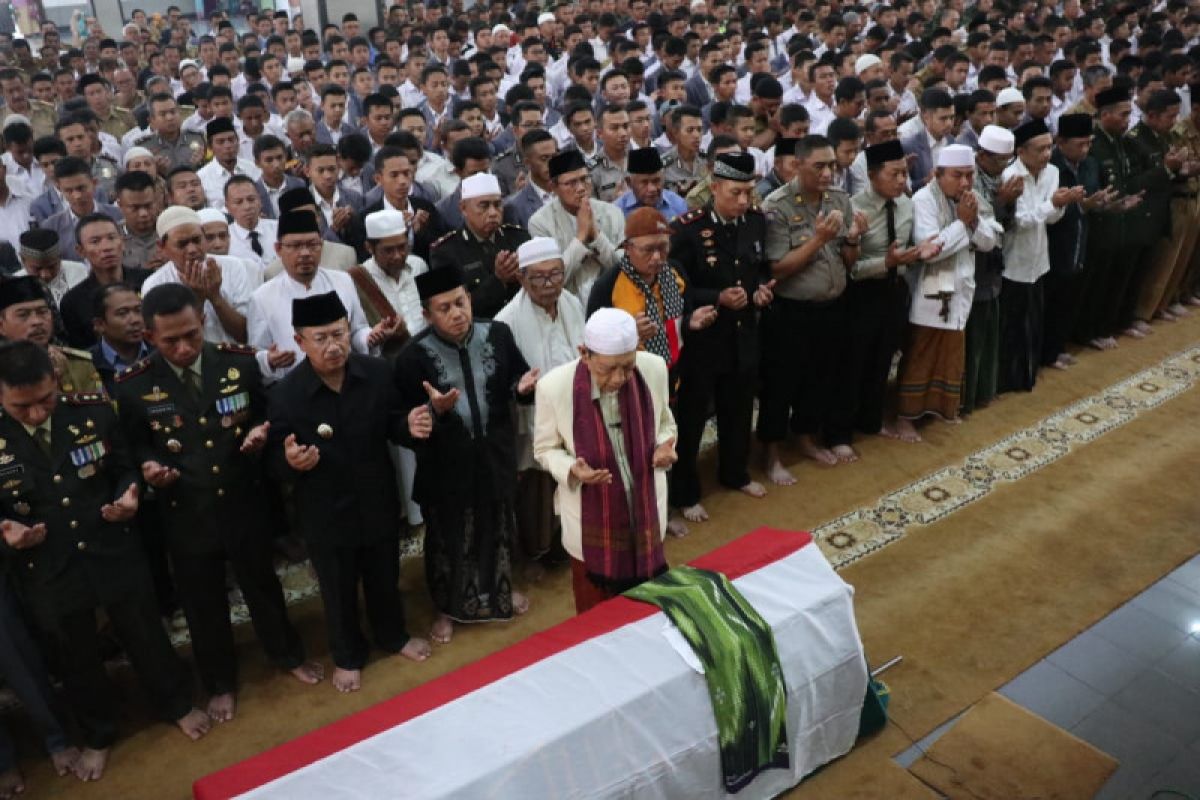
171, 145
40, 115
25, 314
193, 415
69, 494
483, 248
720, 249
113, 120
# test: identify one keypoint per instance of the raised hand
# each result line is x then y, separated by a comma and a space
585, 474
968, 209
277, 359
19, 536
764, 294
828, 226
123, 508
930, 248
386, 328
733, 298
665, 455
585, 222
420, 422
859, 225
300, 457
256, 438
506, 266
441, 401
159, 475
528, 381
1010, 190
702, 317
646, 327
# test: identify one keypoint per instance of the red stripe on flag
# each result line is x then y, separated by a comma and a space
735, 559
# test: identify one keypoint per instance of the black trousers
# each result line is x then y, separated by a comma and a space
803, 348
151, 529
163, 676
1063, 293
1092, 320
1114, 299
200, 578
339, 572
1132, 291
732, 392
23, 671
878, 311
1022, 316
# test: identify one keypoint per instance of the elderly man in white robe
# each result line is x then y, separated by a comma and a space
947, 212
588, 231
547, 324
603, 428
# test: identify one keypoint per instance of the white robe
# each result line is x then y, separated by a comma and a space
583, 263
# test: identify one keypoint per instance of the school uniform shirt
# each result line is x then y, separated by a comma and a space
213, 178
236, 288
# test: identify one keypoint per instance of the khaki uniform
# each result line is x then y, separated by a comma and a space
118, 122
188, 150
680, 177
76, 372
1082, 107
138, 249
608, 179
42, 117
791, 222
105, 172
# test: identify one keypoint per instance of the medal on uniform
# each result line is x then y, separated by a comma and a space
89, 454
233, 374
7, 458
174, 445
156, 396
21, 508
87, 470
89, 424
226, 422
325, 431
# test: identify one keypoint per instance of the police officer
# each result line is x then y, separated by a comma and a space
483, 248
193, 414
720, 249
113, 120
25, 314
70, 492
171, 145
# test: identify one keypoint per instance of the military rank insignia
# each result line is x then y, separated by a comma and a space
227, 407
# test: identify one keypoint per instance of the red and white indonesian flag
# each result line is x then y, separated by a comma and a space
601, 706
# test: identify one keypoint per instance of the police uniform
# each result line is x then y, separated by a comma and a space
76, 372
507, 167
608, 178
84, 562
477, 258
105, 172
41, 116
186, 151
139, 250
214, 512
119, 122
718, 364
680, 177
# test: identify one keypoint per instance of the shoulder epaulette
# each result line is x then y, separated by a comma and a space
755, 208
442, 239
236, 347
85, 399
74, 353
511, 227
133, 370
690, 216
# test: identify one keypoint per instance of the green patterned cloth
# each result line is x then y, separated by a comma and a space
741, 666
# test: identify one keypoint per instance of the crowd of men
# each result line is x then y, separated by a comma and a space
489, 273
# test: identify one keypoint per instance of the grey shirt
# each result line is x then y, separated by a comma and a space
874, 243
790, 224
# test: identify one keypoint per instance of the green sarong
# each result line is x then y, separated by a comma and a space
741, 666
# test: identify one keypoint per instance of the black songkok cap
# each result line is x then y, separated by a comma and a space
1110, 97
20, 290
439, 281
297, 222
296, 198
320, 309
89, 79
566, 161
1074, 126
644, 161
884, 152
734, 166
786, 146
1030, 130
39, 241
219, 125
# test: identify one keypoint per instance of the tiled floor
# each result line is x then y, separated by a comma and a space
1130, 685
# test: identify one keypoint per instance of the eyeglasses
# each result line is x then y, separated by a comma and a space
323, 340
301, 247
552, 278
574, 183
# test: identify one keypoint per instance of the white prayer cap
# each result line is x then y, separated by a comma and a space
537, 250
996, 140
865, 62
175, 216
481, 184
132, 153
610, 332
187, 62
13, 119
385, 223
295, 64
208, 215
1009, 95
496, 31
697, 4
545, 17
956, 155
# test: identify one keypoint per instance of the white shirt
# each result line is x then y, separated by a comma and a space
34, 177
236, 288
437, 174
410, 94
69, 275
327, 206
1026, 248
401, 292
240, 245
213, 178
954, 268
820, 114
196, 124
583, 263
270, 316
14, 213
273, 195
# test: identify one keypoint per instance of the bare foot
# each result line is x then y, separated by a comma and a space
1069, 359
1110, 343
1166, 316
845, 454
91, 763
677, 528
1142, 325
1061, 363
222, 707
1193, 301
350, 680
520, 603
779, 475
754, 489
1134, 333
414, 650
695, 513
11, 784
194, 724
906, 431
443, 630
64, 760
310, 672
1178, 309
822, 455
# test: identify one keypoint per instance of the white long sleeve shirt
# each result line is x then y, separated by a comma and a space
213, 178
583, 262
237, 284
1026, 248
953, 270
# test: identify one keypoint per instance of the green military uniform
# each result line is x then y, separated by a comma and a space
60, 475
76, 371
1183, 283
214, 512
1150, 222
41, 115
680, 176
608, 178
477, 259
119, 122
188, 150
1104, 276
